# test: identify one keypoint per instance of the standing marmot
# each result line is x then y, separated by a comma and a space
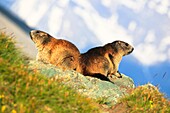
58, 52
104, 60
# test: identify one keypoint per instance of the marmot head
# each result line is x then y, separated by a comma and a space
121, 46
40, 37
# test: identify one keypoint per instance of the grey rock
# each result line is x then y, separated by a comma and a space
104, 91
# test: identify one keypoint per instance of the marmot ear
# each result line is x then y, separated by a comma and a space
116, 42
41, 34
119, 42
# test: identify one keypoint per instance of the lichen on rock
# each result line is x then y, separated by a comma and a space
107, 91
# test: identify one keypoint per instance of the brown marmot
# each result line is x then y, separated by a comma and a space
58, 52
104, 60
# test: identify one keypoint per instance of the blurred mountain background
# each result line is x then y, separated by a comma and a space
89, 23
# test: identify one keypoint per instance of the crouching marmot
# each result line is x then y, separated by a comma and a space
104, 60
58, 52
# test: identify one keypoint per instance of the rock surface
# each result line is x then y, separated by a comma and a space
104, 91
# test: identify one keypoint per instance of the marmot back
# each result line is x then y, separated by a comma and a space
58, 52
104, 60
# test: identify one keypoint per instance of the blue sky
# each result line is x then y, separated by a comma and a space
90, 23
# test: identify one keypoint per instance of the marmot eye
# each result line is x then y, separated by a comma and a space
37, 31
126, 44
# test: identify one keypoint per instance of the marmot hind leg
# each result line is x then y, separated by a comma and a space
68, 63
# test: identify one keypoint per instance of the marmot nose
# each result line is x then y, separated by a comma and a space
34, 31
31, 33
132, 49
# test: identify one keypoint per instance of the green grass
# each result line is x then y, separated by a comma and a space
25, 91
145, 100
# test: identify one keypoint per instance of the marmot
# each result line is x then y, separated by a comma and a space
58, 52
104, 60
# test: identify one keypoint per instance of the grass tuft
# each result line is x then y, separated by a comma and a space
144, 99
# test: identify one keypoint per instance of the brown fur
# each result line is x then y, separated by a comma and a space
104, 60
58, 52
